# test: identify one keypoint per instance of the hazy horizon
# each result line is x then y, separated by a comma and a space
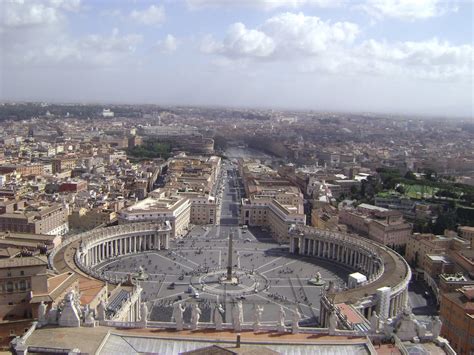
375, 56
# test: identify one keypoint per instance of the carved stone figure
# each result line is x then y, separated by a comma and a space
70, 316
218, 316
42, 314
281, 321
237, 316
53, 316
144, 314
374, 322
101, 310
332, 322
420, 329
295, 326
178, 311
258, 317
331, 287
90, 321
436, 327
195, 315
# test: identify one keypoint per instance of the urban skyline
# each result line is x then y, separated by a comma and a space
388, 56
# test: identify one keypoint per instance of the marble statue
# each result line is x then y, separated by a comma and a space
407, 326
241, 311
295, 326
374, 322
258, 309
237, 316
331, 287
90, 321
318, 276
52, 316
420, 329
436, 327
218, 316
101, 310
257, 285
178, 311
195, 315
70, 315
144, 314
85, 311
42, 314
332, 322
281, 321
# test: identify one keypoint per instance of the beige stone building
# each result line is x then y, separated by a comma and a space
379, 224
85, 219
42, 219
325, 217
16, 276
161, 206
467, 233
25, 282
264, 211
420, 245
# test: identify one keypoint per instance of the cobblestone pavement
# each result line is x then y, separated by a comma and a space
283, 277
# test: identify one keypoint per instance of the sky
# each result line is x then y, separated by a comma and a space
390, 56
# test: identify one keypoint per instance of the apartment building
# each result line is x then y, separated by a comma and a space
325, 217
16, 276
64, 163
23, 169
377, 223
204, 209
265, 211
457, 314
49, 219
161, 206
85, 219
29, 243
419, 245
467, 233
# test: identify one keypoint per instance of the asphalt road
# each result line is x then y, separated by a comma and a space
422, 301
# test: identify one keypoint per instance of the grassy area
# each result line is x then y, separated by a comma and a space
419, 191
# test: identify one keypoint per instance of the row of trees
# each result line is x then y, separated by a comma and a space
150, 150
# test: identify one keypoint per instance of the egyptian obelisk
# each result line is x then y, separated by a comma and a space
229, 259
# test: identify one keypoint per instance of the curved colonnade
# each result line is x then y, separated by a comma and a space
102, 244
388, 274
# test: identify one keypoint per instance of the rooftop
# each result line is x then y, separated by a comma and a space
23, 262
132, 341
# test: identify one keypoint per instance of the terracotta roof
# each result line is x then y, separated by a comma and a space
56, 286
9, 252
23, 262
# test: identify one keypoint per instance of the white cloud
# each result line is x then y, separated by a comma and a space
91, 50
431, 59
310, 44
266, 5
168, 45
408, 9
308, 34
68, 5
154, 15
19, 14
34, 13
287, 34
